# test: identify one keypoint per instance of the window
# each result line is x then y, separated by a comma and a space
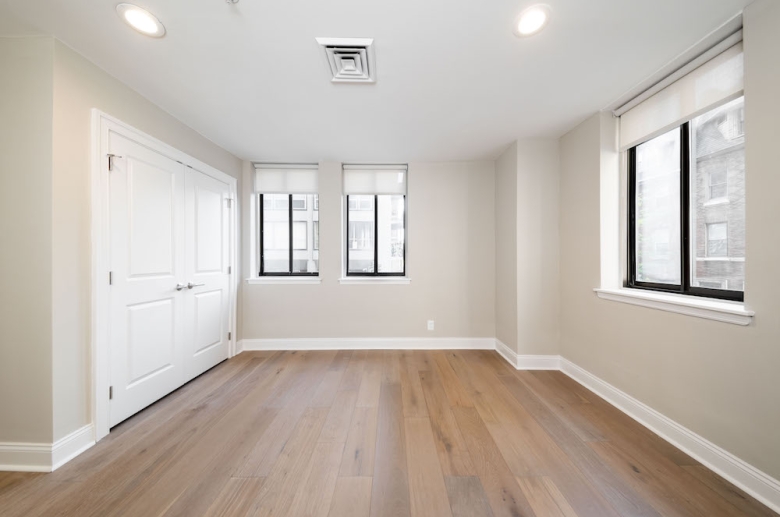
288, 217
717, 240
376, 220
280, 227
678, 242
718, 186
299, 202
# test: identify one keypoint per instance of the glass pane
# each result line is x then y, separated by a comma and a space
390, 242
718, 198
360, 235
276, 234
658, 210
306, 256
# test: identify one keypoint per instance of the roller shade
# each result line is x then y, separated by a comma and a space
373, 179
714, 83
285, 179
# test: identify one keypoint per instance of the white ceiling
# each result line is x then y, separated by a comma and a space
453, 82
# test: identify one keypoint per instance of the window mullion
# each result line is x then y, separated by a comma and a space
685, 253
262, 238
290, 229
376, 234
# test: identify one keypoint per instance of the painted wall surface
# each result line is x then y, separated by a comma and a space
719, 380
25, 239
80, 86
450, 260
506, 247
537, 247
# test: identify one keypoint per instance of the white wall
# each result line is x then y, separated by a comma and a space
25, 239
537, 247
450, 259
506, 247
719, 380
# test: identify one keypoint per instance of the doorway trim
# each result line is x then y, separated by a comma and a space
102, 125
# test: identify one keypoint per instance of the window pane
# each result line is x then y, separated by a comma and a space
299, 202
276, 235
658, 210
360, 235
390, 242
718, 198
305, 256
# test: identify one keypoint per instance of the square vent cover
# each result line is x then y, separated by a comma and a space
350, 60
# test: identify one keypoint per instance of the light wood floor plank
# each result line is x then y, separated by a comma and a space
358, 459
390, 489
351, 497
427, 491
467, 498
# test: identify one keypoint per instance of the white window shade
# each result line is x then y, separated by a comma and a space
286, 179
715, 82
374, 179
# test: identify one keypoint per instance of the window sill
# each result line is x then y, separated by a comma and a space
284, 280
376, 280
707, 308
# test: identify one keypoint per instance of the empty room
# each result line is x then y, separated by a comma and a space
418, 258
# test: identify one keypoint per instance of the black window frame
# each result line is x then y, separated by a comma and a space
685, 286
290, 222
376, 272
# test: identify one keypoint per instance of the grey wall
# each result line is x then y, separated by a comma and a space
450, 260
25, 239
719, 380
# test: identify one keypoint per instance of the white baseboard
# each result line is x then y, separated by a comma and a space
528, 362
753, 481
45, 457
414, 343
67, 448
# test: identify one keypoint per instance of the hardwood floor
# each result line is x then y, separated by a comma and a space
379, 433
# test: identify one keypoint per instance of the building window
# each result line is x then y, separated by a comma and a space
717, 240
673, 230
718, 184
286, 219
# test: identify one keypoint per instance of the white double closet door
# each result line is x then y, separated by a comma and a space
170, 288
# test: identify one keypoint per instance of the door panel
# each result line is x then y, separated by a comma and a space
207, 259
146, 324
150, 339
152, 200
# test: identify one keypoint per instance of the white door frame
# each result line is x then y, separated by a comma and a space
102, 124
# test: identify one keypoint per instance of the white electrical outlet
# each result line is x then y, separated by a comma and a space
430, 324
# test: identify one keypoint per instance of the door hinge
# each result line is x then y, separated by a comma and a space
111, 161
110, 392
230, 270
230, 202
110, 278
230, 334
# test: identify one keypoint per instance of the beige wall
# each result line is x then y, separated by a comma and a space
450, 259
506, 247
537, 247
25, 239
719, 380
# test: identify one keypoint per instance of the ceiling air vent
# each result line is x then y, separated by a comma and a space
350, 60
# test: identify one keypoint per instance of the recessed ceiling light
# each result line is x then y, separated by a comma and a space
141, 20
532, 20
